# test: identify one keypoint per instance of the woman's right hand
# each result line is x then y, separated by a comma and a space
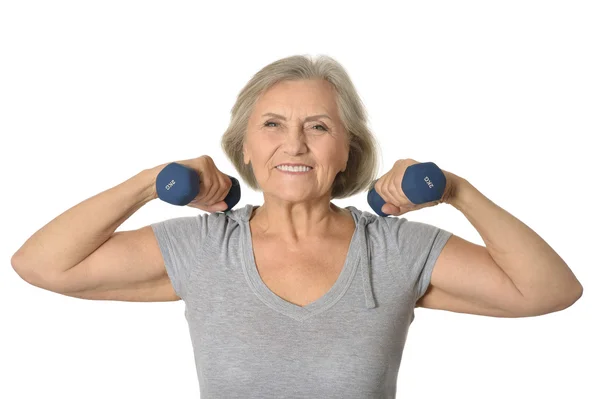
214, 184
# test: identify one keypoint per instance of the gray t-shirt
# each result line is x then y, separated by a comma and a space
250, 343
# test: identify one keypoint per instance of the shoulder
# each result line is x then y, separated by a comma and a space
221, 225
376, 226
403, 229
401, 232
200, 226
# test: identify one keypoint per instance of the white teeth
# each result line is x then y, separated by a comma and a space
294, 168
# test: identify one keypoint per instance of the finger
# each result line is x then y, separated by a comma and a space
208, 177
217, 207
225, 184
222, 184
391, 209
393, 194
381, 188
222, 206
211, 189
397, 196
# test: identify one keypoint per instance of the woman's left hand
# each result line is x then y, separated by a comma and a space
389, 187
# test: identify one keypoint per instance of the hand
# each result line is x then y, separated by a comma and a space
214, 185
389, 187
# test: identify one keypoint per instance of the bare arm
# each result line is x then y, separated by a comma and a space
516, 273
79, 253
73, 235
127, 267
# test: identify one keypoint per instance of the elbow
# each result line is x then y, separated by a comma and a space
28, 275
16, 260
575, 294
18, 266
22, 266
572, 291
37, 275
541, 307
26, 272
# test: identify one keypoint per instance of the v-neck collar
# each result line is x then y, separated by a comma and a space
358, 243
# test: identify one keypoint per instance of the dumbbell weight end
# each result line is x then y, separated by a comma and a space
178, 184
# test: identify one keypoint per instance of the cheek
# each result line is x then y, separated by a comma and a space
336, 156
258, 151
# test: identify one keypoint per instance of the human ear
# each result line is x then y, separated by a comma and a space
246, 158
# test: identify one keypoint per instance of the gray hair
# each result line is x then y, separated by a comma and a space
362, 166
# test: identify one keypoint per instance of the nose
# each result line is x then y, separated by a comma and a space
295, 141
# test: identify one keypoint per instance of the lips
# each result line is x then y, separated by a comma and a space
295, 171
293, 165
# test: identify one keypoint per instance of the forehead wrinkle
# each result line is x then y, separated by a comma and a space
308, 118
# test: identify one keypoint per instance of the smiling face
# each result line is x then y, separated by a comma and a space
307, 131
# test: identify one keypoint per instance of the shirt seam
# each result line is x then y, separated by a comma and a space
172, 259
397, 248
199, 249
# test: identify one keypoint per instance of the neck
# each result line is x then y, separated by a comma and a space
294, 222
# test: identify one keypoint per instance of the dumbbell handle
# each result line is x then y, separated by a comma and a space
178, 184
422, 182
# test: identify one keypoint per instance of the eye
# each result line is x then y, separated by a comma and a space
275, 123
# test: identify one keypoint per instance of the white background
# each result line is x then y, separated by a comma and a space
504, 94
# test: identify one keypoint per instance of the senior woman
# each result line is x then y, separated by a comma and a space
298, 297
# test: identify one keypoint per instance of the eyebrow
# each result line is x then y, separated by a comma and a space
310, 118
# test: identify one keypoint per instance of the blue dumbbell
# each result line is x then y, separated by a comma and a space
179, 185
422, 182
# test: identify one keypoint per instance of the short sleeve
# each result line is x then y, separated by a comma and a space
419, 245
180, 240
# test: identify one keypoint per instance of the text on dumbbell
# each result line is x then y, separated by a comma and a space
171, 184
429, 183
